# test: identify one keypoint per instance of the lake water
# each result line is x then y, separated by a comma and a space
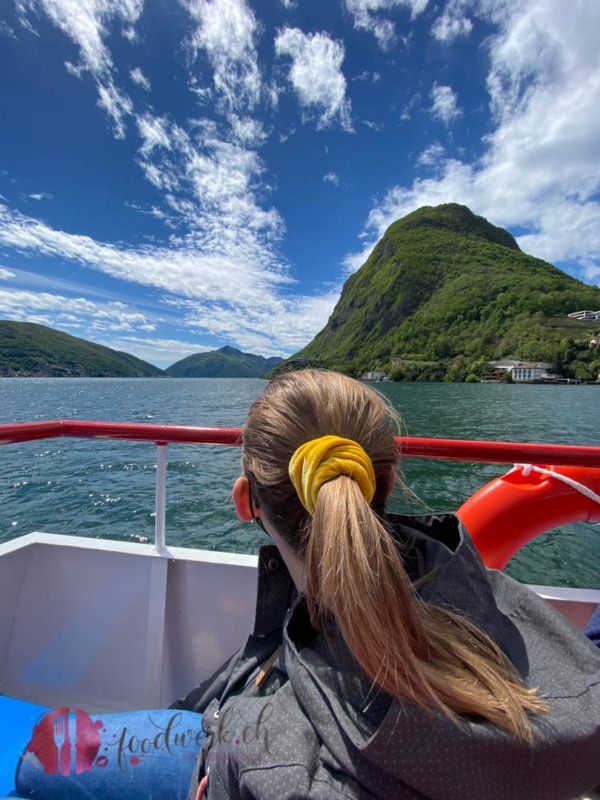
106, 489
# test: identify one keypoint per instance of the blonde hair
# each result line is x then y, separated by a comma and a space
415, 651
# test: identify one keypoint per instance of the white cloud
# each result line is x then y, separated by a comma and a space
374, 126
568, 228
6, 30
64, 311
153, 174
285, 327
453, 23
316, 74
371, 16
185, 270
591, 270
203, 94
6, 274
540, 168
116, 104
247, 131
258, 316
444, 105
212, 184
373, 77
431, 155
74, 70
87, 24
38, 283
289, 4
532, 52
162, 352
410, 106
283, 137
153, 211
354, 261
225, 30
214, 189
331, 177
137, 76
40, 196
83, 23
153, 131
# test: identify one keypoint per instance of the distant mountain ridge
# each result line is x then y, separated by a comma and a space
442, 292
227, 362
29, 349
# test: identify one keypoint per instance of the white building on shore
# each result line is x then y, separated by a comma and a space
374, 376
586, 316
535, 371
505, 365
522, 371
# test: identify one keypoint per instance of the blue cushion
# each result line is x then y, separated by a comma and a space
17, 720
133, 754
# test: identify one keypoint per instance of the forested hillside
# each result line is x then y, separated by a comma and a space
443, 292
28, 349
227, 362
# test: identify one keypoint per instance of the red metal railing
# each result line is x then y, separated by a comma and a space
408, 446
411, 447
134, 431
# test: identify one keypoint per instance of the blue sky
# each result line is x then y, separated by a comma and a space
177, 175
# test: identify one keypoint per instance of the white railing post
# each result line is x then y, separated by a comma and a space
161, 495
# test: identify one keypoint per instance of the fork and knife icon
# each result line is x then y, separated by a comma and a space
61, 722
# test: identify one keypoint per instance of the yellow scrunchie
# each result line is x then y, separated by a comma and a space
320, 460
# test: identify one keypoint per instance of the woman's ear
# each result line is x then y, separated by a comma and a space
241, 499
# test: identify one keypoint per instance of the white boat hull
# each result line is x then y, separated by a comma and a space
106, 625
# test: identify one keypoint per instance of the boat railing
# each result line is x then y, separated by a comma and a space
408, 447
126, 625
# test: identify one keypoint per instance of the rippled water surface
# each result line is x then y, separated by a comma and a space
106, 489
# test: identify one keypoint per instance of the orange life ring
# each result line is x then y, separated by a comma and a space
509, 511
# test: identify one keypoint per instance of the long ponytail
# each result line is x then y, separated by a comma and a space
417, 652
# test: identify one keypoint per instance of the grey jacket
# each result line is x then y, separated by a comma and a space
306, 722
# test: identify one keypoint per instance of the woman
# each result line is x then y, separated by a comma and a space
385, 661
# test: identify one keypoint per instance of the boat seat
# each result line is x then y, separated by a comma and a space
17, 719
141, 755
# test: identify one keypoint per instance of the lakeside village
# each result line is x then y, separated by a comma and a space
511, 371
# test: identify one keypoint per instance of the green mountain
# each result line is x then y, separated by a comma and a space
224, 363
27, 349
443, 292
